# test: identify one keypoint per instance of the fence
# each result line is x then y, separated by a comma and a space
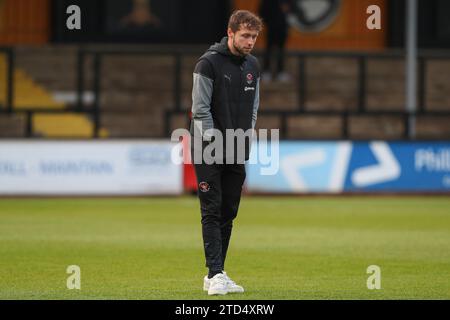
177, 109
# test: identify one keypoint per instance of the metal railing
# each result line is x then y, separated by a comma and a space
177, 109
9, 76
361, 92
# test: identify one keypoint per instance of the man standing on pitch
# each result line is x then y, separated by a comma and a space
225, 96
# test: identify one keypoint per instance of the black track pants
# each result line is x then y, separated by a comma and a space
219, 190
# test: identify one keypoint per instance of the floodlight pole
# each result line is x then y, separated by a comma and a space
411, 65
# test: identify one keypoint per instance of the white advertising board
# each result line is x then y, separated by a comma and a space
120, 167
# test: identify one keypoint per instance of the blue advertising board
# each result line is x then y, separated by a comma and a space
346, 166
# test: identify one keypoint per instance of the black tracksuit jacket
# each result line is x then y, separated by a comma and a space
225, 92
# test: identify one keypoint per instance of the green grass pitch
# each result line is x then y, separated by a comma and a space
281, 248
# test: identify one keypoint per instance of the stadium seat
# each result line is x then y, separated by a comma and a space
30, 95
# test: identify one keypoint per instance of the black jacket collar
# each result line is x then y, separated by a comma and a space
222, 48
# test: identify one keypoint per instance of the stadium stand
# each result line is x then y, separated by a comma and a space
139, 94
32, 96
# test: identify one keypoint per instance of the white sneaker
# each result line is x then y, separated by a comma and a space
216, 285
232, 287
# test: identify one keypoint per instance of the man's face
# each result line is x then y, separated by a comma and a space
243, 40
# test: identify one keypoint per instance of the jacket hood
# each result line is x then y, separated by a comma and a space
222, 48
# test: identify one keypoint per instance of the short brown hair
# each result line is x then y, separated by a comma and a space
246, 19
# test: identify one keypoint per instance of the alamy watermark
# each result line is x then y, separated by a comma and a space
74, 280
73, 22
374, 280
210, 146
373, 22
